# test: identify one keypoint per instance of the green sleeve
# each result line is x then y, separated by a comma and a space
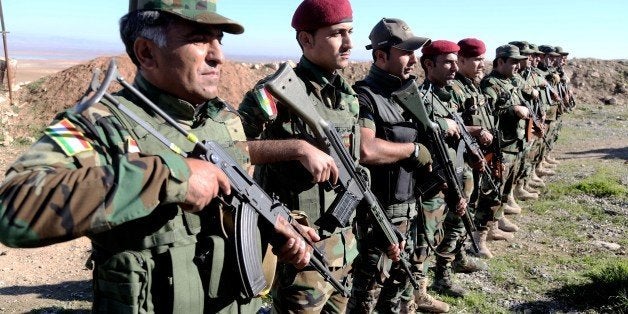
50, 195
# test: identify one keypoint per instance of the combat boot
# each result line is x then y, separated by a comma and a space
550, 160
495, 234
536, 181
547, 165
444, 284
510, 201
480, 239
528, 187
425, 302
506, 225
522, 194
466, 265
509, 210
544, 172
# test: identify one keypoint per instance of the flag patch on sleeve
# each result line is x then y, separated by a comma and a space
131, 146
267, 103
68, 137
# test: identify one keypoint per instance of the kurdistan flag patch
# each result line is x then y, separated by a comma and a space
68, 137
267, 103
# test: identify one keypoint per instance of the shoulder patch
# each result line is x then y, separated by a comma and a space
68, 137
267, 102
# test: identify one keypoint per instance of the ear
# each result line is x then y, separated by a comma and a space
144, 50
380, 55
305, 39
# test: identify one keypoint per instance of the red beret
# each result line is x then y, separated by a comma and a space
314, 14
471, 47
440, 47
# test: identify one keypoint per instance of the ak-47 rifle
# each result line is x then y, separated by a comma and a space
473, 148
352, 185
248, 200
410, 99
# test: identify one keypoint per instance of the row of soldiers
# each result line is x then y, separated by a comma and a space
162, 240
499, 129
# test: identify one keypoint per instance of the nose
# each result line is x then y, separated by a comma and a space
214, 53
455, 66
413, 60
346, 41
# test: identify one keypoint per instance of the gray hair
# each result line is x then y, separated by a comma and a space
152, 25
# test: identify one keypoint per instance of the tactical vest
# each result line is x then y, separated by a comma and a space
289, 180
164, 244
474, 107
391, 183
512, 127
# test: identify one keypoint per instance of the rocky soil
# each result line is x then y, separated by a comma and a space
54, 279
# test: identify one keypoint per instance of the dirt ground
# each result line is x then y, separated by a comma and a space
55, 278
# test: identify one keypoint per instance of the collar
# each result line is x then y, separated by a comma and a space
316, 74
180, 110
385, 81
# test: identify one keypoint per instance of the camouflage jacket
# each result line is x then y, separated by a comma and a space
503, 94
336, 102
93, 172
474, 108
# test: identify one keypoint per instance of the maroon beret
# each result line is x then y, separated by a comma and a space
440, 47
471, 47
314, 14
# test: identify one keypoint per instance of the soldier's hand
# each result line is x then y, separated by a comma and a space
319, 164
522, 112
394, 251
485, 137
294, 250
535, 94
461, 207
452, 129
205, 182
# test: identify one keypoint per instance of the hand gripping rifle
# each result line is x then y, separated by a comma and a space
248, 200
410, 99
352, 187
473, 148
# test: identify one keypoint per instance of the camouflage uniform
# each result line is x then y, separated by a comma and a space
443, 104
393, 184
100, 175
305, 290
502, 95
475, 111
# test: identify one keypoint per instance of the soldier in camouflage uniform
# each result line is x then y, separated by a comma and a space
530, 95
390, 150
547, 68
479, 117
98, 174
440, 62
542, 100
295, 170
503, 95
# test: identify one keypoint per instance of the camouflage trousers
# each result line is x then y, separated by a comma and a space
512, 163
305, 290
453, 227
375, 292
526, 158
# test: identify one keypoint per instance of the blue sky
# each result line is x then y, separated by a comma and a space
87, 27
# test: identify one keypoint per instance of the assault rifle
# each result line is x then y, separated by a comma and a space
352, 186
473, 148
410, 99
248, 200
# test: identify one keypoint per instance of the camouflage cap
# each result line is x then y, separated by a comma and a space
509, 51
536, 50
559, 50
524, 47
200, 11
390, 32
548, 50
